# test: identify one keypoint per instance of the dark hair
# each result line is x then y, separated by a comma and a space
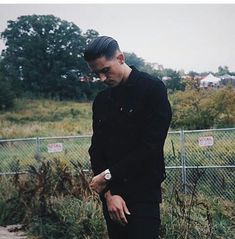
101, 46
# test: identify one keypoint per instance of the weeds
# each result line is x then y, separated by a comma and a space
193, 216
54, 201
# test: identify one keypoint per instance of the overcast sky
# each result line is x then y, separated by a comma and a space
191, 37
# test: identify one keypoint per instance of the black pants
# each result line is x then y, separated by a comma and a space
143, 223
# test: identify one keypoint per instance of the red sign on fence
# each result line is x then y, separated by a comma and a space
206, 141
54, 148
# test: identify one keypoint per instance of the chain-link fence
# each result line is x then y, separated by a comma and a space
205, 158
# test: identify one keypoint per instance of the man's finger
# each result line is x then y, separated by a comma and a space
116, 216
126, 210
122, 217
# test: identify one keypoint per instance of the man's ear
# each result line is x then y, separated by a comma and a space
120, 58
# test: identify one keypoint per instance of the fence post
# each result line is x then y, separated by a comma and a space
182, 156
38, 154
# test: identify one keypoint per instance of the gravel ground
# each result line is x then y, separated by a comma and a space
8, 233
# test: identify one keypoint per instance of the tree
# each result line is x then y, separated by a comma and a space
190, 110
192, 74
222, 103
203, 109
90, 34
191, 83
223, 70
133, 60
41, 52
175, 83
6, 93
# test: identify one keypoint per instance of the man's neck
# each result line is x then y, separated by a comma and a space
127, 71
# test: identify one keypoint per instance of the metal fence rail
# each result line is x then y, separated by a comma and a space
205, 157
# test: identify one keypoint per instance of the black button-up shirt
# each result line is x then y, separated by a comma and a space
130, 124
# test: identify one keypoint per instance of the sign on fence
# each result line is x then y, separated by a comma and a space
54, 148
206, 141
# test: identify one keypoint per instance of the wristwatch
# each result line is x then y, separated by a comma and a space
107, 175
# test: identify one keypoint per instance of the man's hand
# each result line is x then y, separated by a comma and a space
98, 183
117, 208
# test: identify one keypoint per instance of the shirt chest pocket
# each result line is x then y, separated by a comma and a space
128, 113
127, 117
118, 118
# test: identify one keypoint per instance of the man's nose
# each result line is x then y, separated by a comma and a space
102, 77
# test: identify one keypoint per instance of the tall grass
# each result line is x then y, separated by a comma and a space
31, 118
195, 215
187, 217
54, 201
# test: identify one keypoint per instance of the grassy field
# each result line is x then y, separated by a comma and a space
38, 118
31, 118
208, 215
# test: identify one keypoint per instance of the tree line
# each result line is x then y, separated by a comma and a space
44, 59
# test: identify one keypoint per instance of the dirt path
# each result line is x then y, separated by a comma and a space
6, 234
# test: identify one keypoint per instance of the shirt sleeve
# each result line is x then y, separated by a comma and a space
97, 160
157, 117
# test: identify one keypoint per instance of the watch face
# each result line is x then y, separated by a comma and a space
107, 176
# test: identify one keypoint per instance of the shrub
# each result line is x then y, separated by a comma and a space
54, 201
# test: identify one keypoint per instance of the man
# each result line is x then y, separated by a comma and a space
130, 123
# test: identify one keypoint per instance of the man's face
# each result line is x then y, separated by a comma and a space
109, 71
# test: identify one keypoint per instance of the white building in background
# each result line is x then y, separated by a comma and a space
210, 81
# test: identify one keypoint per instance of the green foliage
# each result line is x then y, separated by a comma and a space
223, 70
42, 201
193, 108
50, 117
54, 201
192, 215
201, 109
133, 60
72, 218
90, 34
196, 216
44, 56
222, 103
7, 95
30, 118
175, 83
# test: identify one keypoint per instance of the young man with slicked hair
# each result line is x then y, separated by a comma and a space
131, 119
